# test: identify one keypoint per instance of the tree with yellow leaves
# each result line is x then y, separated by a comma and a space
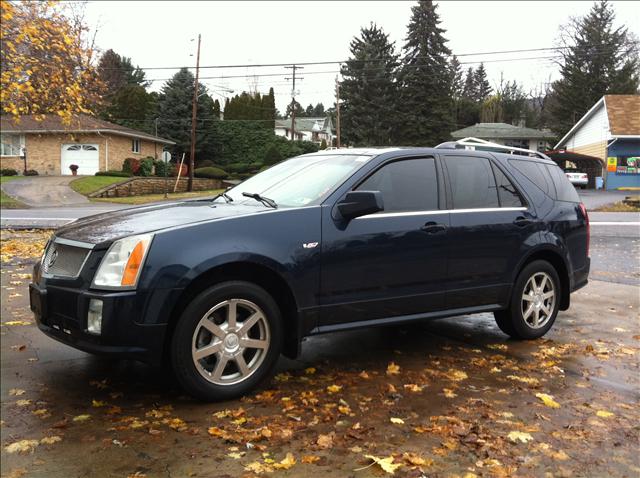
45, 62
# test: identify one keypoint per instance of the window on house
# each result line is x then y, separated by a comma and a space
408, 185
472, 183
11, 144
135, 145
542, 146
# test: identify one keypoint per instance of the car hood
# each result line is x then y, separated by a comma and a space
107, 227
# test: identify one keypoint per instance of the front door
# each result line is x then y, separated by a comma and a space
392, 263
489, 224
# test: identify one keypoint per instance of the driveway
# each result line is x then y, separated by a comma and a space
593, 199
45, 191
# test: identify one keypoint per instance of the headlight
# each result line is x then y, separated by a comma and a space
122, 264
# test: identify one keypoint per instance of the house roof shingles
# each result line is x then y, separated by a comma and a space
624, 114
305, 124
79, 124
500, 131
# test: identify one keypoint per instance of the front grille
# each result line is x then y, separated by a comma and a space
63, 260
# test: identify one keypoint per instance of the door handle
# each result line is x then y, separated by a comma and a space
432, 227
522, 221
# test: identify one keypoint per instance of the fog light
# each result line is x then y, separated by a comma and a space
94, 317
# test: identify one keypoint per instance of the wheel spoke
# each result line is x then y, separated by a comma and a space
213, 328
527, 297
220, 366
536, 317
548, 295
543, 282
207, 350
254, 344
242, 364
527, 312
232, 314
246, 325
546, 310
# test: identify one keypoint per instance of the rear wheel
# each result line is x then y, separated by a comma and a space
534, 302
227, 341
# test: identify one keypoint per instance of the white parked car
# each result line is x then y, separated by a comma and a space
577, 178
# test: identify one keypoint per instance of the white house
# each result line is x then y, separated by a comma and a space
307, 129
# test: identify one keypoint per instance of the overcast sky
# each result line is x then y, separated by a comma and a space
159, 34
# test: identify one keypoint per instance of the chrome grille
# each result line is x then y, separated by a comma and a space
63, 260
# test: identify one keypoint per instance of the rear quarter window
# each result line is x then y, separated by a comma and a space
564, 189
536, 173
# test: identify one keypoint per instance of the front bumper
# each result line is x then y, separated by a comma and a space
61, 313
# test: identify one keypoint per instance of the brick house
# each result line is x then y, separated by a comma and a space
91, 143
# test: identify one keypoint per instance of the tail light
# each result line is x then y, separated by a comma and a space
583, 210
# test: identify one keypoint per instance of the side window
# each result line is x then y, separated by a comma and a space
507, 192
472, 183
406, 185
564, 188
536, 173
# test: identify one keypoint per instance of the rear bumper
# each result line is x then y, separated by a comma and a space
61, 313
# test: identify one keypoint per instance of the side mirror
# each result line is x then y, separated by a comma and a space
360, 203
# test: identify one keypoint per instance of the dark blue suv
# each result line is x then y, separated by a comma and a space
322, 242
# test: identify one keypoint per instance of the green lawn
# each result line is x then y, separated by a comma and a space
7, 202
91, 184
147, 198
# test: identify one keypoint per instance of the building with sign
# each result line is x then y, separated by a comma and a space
608, 134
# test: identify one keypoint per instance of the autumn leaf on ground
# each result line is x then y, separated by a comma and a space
258, 468
501, 347
334, 388
308, 459
516, 436
50, 440
16, 322
288, 462
23, 403
176, 424
456, 375
325, 441
22, 446
16, 392
604, 414
393, 369
527, 380
416, 460
310, 370
98, 403
412, 387
396, 421
548, 400
42, 413
449, 393
81, 418
385, 463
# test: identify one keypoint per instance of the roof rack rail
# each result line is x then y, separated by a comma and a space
472, 143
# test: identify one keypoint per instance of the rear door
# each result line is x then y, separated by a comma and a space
489, 222
391, 263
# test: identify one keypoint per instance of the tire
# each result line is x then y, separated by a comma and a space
213, 363
532, 309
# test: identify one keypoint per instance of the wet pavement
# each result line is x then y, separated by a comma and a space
444, 398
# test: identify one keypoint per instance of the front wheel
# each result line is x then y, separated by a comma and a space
227, 341
534, 302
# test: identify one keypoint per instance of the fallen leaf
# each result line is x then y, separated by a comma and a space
416, 460
288, 462
325, 441
516, 436
456, 375
412, 387
81, 418
16, 392
309, 459
548, 400
397, 421
527, 380
98, 403
449, 393
310, 370
50, 440
236, 455
393, 369
23, 403
22, 446
385, 463
334, 388
16, 322
604, 414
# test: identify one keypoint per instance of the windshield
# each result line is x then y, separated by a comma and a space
299, 181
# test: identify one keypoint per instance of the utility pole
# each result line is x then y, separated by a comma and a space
337, 112
194, 110
293, 98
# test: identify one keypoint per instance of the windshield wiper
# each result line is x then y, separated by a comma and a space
262, 199
224, 196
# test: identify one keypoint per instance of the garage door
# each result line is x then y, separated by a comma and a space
85, 156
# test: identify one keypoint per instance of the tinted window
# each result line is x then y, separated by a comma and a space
507, 192
536, 173
564, 188
472, 183
408, 185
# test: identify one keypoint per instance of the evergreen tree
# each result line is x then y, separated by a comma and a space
298, 109
174, 115
308, 112
117, 71
425, 79
469, 90
481, 84
369, 90
318, 111
131, 106
598, 59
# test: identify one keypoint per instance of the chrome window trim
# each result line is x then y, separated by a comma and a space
441, 211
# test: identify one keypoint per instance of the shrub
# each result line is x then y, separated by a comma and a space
146, 167
8, 172
323, 144
205, 163
160, 169
273, 156
31, 172
256, 165
210, 173
238, 167
131, 165
117, 174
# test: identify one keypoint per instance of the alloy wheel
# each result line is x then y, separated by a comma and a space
538, 300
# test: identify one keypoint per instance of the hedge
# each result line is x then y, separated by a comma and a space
8, 172
210, 173
117, 174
